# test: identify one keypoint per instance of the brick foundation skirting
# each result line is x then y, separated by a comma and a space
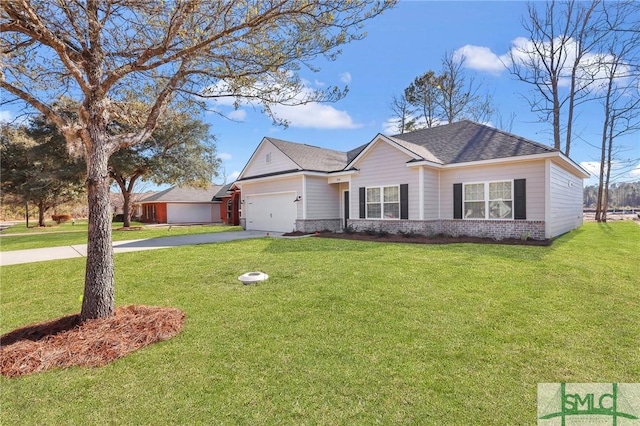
317, 225
496, 229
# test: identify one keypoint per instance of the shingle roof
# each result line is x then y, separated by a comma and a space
355, 152
460, 142
466, 141
184, 194
223, 191
420, 150
312, 158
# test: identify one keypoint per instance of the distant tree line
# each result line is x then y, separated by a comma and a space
36, 167
621, 195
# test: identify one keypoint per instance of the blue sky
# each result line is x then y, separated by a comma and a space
402, 44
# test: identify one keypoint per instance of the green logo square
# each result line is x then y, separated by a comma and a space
568, 404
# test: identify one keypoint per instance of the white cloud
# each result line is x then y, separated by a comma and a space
315, 115
620, 171
391, 126
345, 77
481, 58
297, 112
5, 116
592, 167
238, 115
526, 53
224, 156
233, 176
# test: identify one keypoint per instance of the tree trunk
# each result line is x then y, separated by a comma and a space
556, 119
41, 214
126, 208
572, 95
601, 213
607, 181
126, 191
99, 285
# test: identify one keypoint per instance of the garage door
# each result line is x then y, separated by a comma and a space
188, 213
273, 212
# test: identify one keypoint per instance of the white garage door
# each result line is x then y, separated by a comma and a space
188, 213
273, 212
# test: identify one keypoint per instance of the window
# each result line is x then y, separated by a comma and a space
492, 200
268, 158
383, 202
374, 208
474, 201
500, 200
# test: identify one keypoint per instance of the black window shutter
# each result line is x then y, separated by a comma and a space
457, 201
520, 199
404, 201
363, 202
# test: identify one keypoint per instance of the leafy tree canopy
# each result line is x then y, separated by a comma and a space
37, 168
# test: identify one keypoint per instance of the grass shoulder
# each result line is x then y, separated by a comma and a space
66, 236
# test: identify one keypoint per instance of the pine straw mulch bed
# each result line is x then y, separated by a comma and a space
421, 239
64, 342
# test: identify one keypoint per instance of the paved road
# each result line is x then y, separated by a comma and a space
80, 250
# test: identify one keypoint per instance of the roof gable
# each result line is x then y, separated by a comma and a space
267, 159
287, 157
312, 158
415, 152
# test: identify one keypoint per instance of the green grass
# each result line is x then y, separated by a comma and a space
66, 235
80, 225
344, 332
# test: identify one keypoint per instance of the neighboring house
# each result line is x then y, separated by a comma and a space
229, 197
117, 202
182, 205
458, 179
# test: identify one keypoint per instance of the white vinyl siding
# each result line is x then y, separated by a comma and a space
532, 171
268, 159
566, 195
385, 165
431, 194
322, 199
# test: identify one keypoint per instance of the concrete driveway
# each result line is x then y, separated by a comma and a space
67, 252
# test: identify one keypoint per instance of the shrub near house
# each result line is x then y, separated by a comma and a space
61, 218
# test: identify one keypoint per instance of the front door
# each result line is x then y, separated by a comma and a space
346, 208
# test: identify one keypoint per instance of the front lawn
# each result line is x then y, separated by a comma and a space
344, 332
50, 226
70, 235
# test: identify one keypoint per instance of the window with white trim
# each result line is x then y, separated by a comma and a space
383, 202
488, 200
